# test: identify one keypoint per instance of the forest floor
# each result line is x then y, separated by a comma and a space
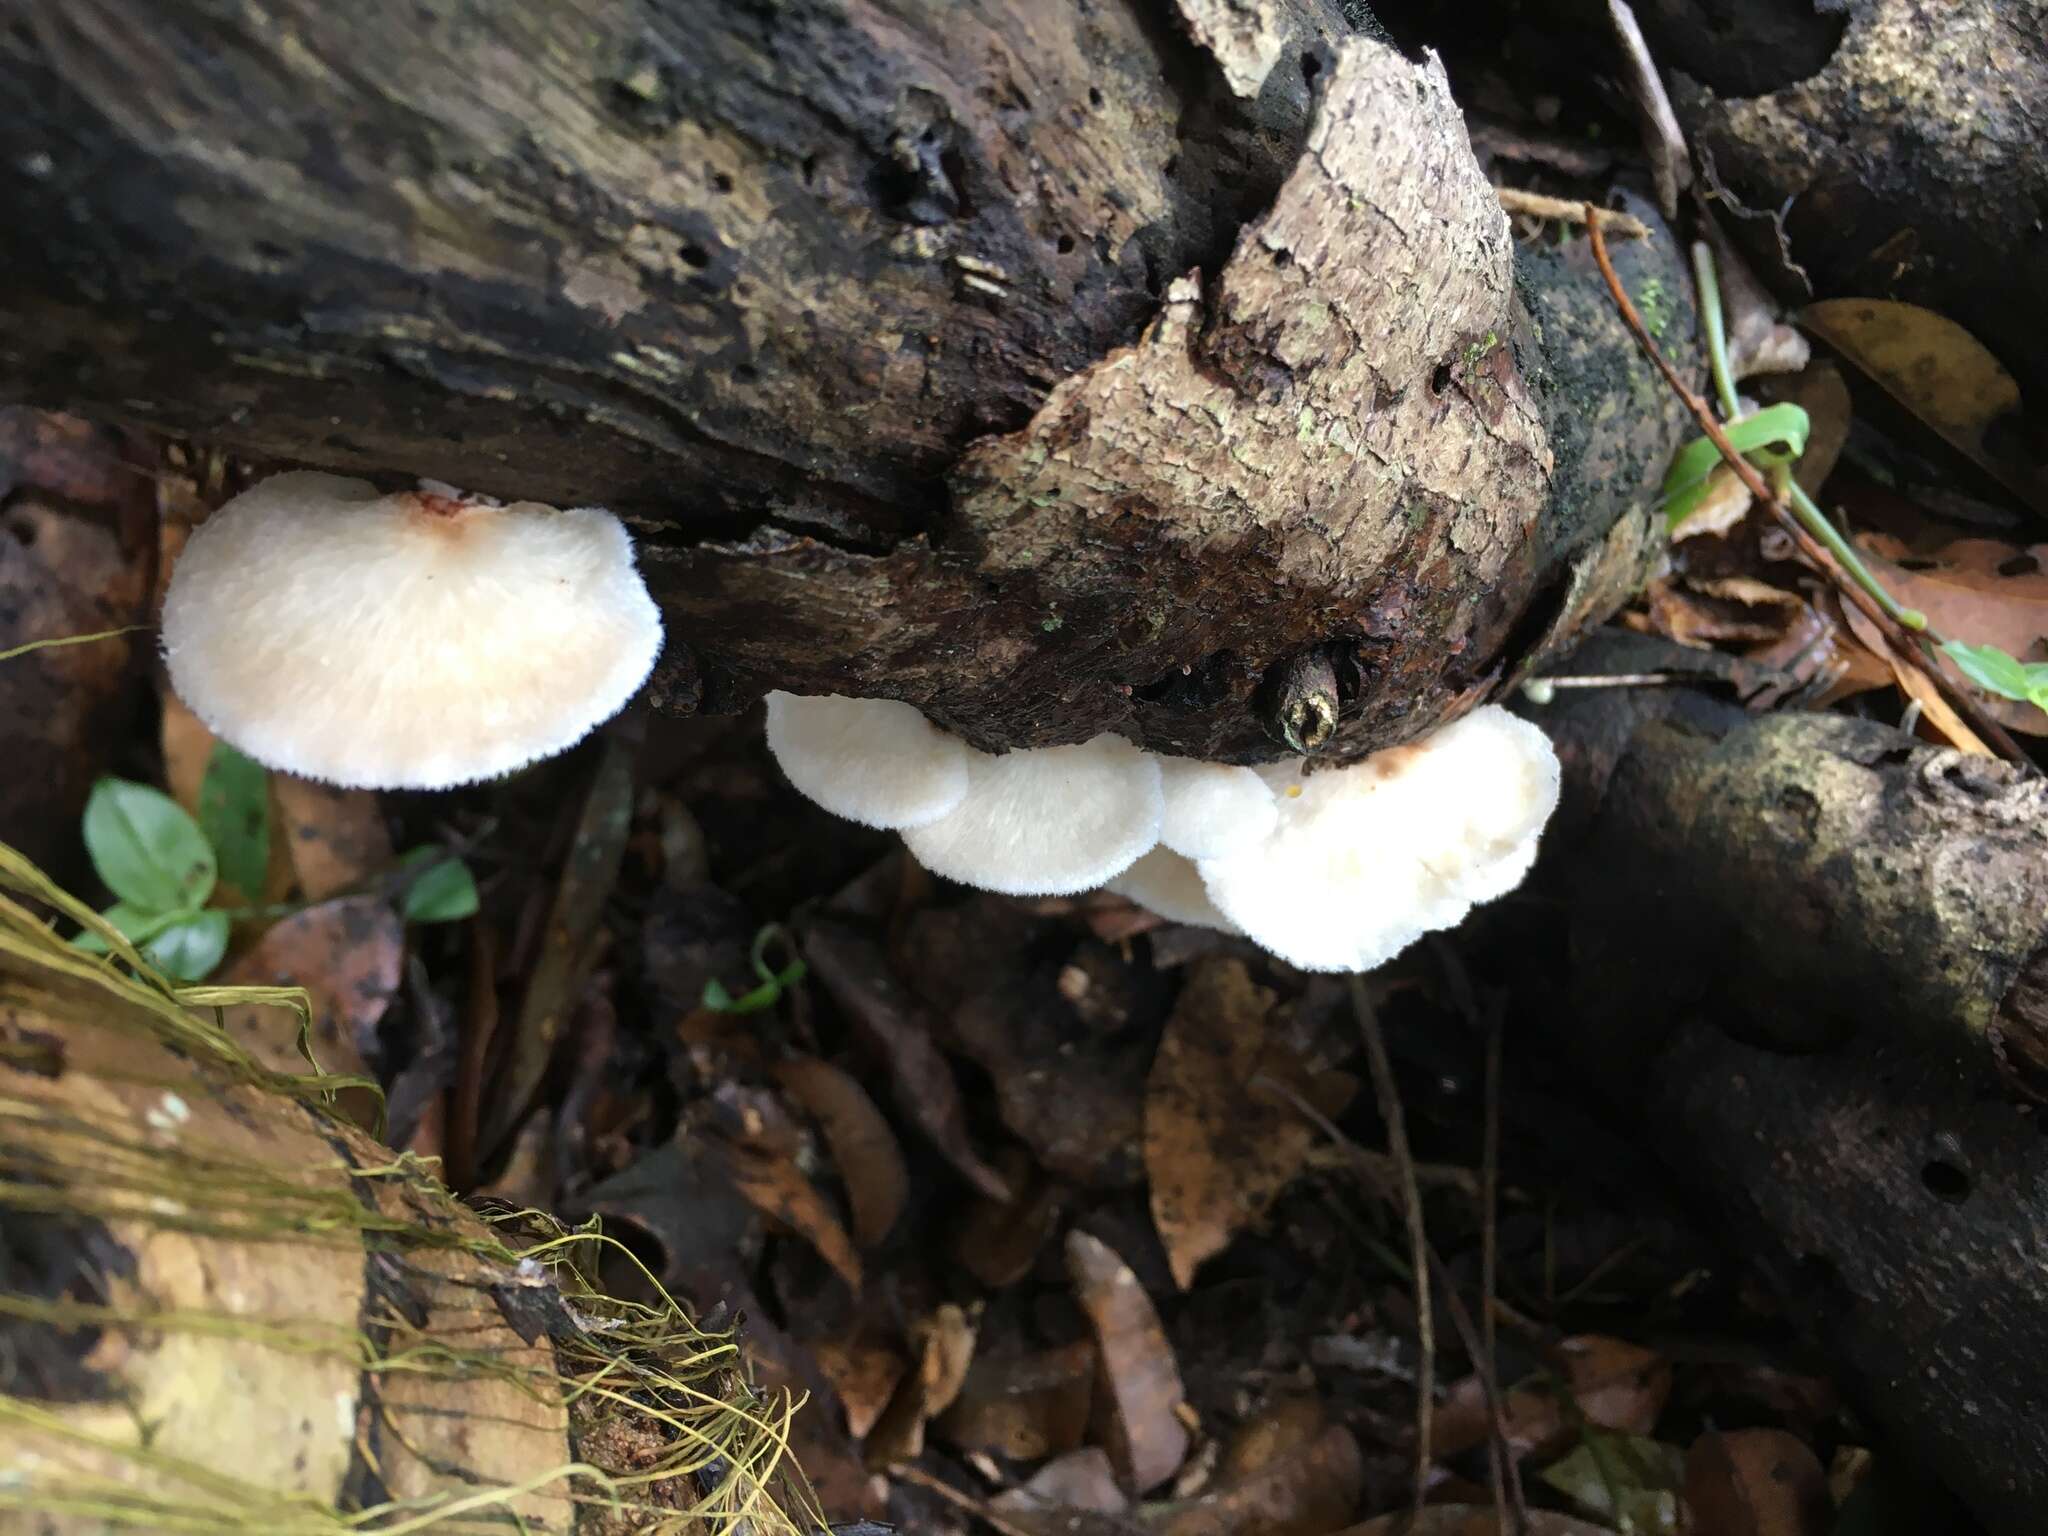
918, 1142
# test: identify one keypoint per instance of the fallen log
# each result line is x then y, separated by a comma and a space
1808, 953
225, 1309
1059, 369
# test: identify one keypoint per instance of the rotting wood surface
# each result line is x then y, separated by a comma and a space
1027, 362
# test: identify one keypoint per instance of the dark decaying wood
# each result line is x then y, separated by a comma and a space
1810, 954
1059, 366
1891, 148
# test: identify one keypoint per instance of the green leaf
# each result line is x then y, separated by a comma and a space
133, 924
446, 893
773, 982
1775, 434
234, 813
2024, 682
1630, 1482
190, 947
147, 850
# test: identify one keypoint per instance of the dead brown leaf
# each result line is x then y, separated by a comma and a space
61, 574
1978, 590
870, 1162
855, 971
1938, 371
1468, 1520
943, 1346
349, 955
1024, 1407
1937, 716
998, 1241
336, 836
1310, 1491
864, 1372
1139, 1392
1756, 1482
1079, 1480
776, 1187
1613, 1385
1218, 1151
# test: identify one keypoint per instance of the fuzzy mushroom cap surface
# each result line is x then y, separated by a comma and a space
407, 641
1169, 884
875, 761
1052, 821
1213, 809
1364, 860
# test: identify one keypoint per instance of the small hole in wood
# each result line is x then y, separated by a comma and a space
1094, 97
1945, 1181
696, 255
1311, 66
1441, 379
721, 182
1065, 245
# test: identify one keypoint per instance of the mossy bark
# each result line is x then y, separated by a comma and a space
1058, 367
224, 1309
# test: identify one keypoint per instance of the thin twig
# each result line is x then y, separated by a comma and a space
1373, 1172
1814, 550
1511, 1510
1507, 1472
1389, 1096
1538, 205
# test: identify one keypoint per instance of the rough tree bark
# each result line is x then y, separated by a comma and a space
1812, 954
1059, 366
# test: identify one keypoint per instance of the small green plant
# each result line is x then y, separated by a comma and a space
773, 983
2024, 682
163, 865
1772, 436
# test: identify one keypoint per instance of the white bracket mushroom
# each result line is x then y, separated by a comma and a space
410, 641
1334, 870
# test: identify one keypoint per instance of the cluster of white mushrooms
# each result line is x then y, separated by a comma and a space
425, 639
1334, 870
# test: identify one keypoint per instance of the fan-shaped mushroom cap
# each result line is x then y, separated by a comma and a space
875, 761
1052, 821
1364, 860
1213, 809
1168, 883
411, 641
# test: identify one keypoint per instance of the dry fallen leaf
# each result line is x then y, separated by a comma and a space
1079, 1480
776, 1187
864, 1372
1613, 1385
61, 574
1939, 372
864, 1148
1311, 1490
1756, 1482
1024, 1407
1936, 713
1139, 1395
1217, 1150
349, 955
336, 836
997, 1241
855, 971
1977, 590
1461, 1520
943, 1346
